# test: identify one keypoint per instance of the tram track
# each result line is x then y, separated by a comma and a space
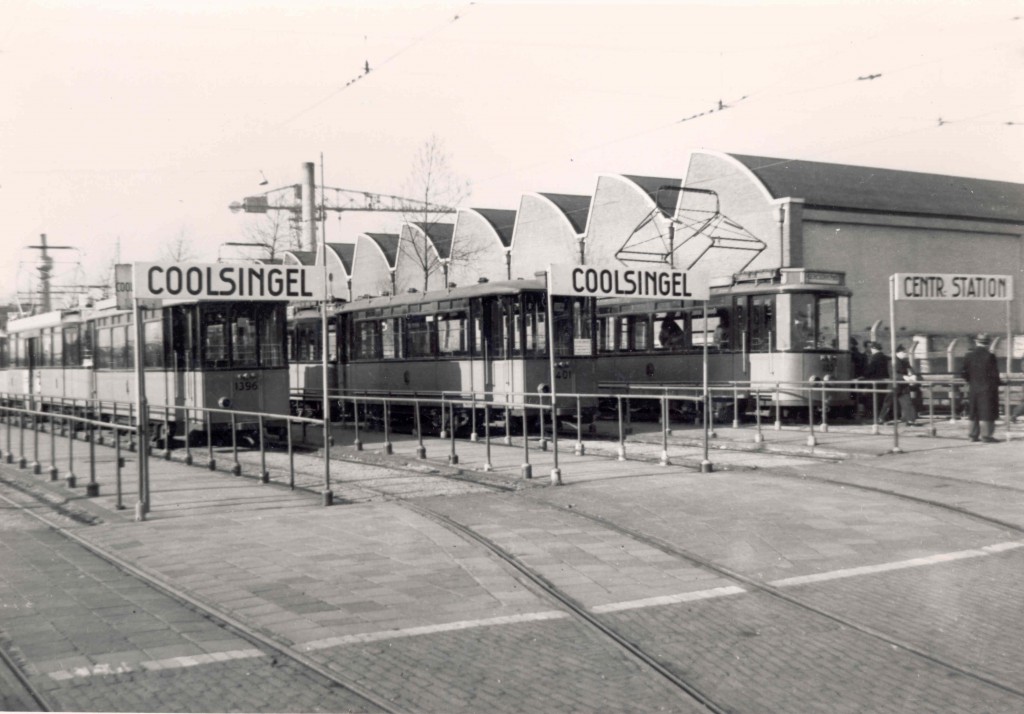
264, 641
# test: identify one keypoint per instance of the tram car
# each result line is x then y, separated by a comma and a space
773, 331
765, 328
212, 355
487, 341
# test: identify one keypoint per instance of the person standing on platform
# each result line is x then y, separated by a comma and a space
877, 372
981, 373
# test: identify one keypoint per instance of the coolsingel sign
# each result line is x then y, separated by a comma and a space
656, 283
234, 281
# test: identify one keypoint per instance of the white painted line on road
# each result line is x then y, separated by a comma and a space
430, 629
898, 565
668, 599
154, 665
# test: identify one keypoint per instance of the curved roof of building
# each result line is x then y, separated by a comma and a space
886, 190
576, 208
502, 220
653, 185
345, 253
440, 234
302, 257
388, 244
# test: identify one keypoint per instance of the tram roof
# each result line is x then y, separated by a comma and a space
505, 287
873, 189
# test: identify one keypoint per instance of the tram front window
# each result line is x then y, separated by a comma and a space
817, 322
242, 337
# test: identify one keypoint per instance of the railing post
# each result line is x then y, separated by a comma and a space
622, 429
453, 458
758, 436
92, 488
291, 457
70, 478
264, 474
167, 434
236, 468
9, 456
131, 419
953, 402
421, 450
472, 419
22, 459
388, 449
188, 436
508, 421
579, 450
735, 406
53, 448
874, 408
527, 469
487, 437
211, 463
824, 407
778, 407
117, 467
355, 421
811, 441
541, 422
664, 430
37, 467
931, 410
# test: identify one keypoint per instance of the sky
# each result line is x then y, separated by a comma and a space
125, 126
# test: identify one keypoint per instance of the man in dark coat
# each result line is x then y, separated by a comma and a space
982, 376
877, 370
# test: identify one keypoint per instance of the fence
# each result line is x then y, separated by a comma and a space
753, 407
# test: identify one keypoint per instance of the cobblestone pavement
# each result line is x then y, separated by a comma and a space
783, 583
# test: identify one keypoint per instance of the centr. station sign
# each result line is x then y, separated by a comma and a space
949, 286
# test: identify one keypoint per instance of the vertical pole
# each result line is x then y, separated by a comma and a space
421, 450
328, 495
355, 422
527, 468
71, 456
291, 458
264, 474
579, 428
53, 448
556, 473
758, 437
236, 468
92, 488
705, 465
1009, 366
117, 466
388, 449
892, 346
622, 430
36, 466
141, 427
487, 436
211, 463
453, 458
664, 429
811, 441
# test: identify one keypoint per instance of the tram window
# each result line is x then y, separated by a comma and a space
762, 322
153, 342
706, 332
104, 359
46, 346
214, 338
671, 331
421, 330
452, 334
802, 311
367, 339
86, 340
606, 334
72, 354
118, 347
305, 339
5, 357
243, 342
271, 336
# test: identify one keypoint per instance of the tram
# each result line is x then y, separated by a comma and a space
490, 341
196, 355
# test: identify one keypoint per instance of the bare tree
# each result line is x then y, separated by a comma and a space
432, 181
180, 249
274, 231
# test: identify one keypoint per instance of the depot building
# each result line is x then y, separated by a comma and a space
724, 213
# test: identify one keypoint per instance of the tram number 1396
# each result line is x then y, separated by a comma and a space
246, 385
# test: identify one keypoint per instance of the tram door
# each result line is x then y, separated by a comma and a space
32, 353
180, 325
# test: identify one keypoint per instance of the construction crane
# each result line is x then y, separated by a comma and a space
339, 199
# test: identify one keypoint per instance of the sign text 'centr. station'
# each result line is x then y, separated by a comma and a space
953, 287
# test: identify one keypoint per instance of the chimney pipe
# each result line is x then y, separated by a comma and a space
308, 207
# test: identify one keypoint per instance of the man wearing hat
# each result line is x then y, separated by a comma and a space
876, 371
982, 376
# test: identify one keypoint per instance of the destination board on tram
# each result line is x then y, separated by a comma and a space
227, 281
952, 286
617, 281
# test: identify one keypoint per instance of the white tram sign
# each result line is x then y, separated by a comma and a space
228, 281
952, 286
616, 281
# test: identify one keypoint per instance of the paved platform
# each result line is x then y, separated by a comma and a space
396, 601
